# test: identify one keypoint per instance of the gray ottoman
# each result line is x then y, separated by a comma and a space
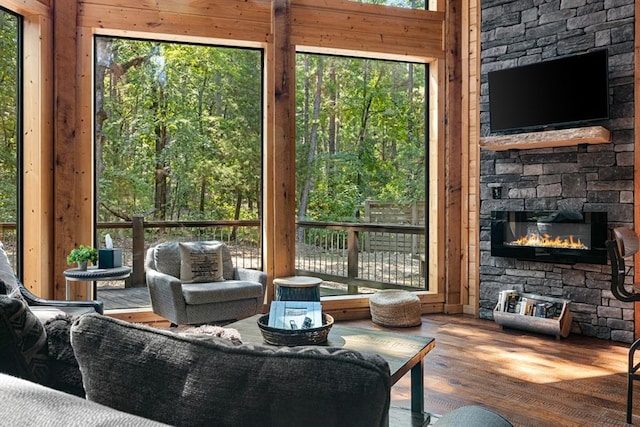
395, 308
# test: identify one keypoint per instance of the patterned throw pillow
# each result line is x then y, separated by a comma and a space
201, 262
26, 355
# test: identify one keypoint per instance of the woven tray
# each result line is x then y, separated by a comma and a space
295, 337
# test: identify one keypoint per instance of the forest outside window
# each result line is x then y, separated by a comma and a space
178, 140
10, 122
360, 173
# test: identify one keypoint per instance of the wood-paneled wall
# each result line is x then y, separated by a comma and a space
281, 27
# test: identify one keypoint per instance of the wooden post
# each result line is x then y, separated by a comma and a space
353, 251
73, 148
453, 144
284, 154
137, 278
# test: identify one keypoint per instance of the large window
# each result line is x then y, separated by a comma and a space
360, 159
178, 137
9, 131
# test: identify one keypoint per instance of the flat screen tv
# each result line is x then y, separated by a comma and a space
568, 90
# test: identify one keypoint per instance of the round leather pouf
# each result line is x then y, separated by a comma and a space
395, 308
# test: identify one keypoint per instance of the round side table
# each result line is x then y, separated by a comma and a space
93, 274
297, 288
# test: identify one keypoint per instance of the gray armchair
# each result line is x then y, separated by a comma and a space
239, 295
44, 309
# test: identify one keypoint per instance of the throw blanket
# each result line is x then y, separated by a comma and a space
213, 331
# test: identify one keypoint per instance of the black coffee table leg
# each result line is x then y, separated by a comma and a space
417, 387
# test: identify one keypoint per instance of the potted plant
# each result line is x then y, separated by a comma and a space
83, 255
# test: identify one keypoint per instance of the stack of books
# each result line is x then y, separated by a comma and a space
295, 315
511, 301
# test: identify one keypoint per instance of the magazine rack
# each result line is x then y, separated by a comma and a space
559, 326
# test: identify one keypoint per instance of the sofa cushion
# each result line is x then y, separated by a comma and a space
25, 403
181, 380
201, 262
23, 344
230, 290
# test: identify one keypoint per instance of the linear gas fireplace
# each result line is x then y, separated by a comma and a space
562, 237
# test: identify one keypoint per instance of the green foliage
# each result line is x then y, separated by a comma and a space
378, 149
189, 113
179, 131
82, 253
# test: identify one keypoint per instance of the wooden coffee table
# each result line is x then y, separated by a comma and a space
402, 352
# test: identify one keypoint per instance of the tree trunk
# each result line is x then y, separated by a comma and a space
161, 179
236, 213
364, 120
104, 47
313, 143
333, 127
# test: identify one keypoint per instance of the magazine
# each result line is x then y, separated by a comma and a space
295, 314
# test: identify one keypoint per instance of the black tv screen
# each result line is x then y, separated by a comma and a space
568, 90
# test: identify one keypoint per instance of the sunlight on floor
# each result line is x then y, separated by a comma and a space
537, 367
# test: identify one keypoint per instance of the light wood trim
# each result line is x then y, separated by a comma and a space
352, 26
256, 10
144, 315
546, 139
28, 7
251, 21
37, 176
471, 157
268, 174
179, 38
437, 167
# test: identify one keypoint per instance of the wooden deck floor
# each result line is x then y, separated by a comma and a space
118, 297
533, 380
122, 298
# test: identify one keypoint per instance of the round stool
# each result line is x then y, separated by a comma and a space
297, 288
395, 308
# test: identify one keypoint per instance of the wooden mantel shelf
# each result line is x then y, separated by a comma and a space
549, 138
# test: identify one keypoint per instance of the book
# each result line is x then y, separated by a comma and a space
503, 299
513, 303
295, 314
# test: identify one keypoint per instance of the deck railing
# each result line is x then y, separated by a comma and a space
350, 257
362, 257
135, 237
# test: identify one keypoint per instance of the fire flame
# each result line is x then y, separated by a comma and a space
535, 239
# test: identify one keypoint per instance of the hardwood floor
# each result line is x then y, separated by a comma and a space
533, 380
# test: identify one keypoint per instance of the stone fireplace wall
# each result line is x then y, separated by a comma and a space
582, 177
